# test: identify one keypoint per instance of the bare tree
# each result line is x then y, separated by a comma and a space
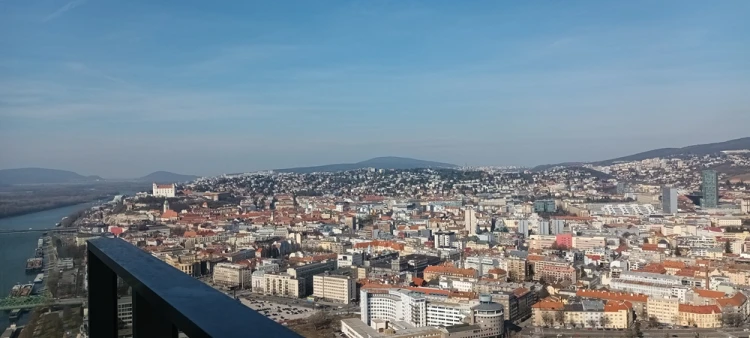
591, 322
653, 322
604, 321
560, 317
547, 319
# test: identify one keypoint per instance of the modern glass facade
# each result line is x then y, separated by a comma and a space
710, 189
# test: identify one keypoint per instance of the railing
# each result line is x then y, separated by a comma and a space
165, 300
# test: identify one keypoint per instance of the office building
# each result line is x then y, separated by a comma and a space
548, 206
669, 200
709, 189
335, 288
307, 271
349, 260
232, 275
419, 309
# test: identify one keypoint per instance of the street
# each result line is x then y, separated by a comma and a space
663, 333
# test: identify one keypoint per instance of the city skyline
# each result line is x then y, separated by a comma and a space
123, 90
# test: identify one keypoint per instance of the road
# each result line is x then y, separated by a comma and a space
665, 333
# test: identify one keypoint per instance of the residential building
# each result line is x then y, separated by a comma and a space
664, 309
283, 285
554, 271
435, 271
444, 239
700, 316
517, 269
232, 275
470, 220
335, 288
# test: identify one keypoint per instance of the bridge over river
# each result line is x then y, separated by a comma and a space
21, 231
10, 303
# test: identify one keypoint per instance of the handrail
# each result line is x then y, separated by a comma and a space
164, 294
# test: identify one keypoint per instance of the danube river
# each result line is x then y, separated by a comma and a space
16, 248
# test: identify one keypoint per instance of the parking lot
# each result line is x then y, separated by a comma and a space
276, 311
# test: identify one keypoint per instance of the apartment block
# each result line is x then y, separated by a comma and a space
335, 288
232, 275
284, 285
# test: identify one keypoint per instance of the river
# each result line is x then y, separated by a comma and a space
16, 248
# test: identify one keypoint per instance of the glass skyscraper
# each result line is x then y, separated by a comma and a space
710, 189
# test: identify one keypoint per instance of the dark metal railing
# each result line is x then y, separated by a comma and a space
165, 299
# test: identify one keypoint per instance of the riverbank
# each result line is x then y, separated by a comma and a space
16, 248
23, 200
33, 210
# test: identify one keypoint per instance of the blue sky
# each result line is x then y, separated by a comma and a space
123, 88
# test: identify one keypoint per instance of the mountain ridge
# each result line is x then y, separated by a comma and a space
162, 176
32, 175
386, 162
696, 149
43, 176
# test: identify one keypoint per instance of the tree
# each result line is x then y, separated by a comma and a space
178, 231
653, 322
547, 319
604, 321
319, 320
731, 319
727, 247
572, 323
591, 323
560, 317
637, 330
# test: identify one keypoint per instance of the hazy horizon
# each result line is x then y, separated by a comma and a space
121, 90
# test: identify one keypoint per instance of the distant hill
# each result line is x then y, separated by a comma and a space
167, 177
699, 149
42, 176
378, 162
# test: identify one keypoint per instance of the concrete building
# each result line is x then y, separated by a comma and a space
232, 275
517, 269
745, 205
349, 260
306, 272
419, 309
669, 200
444, 239
284, 285
470, 220
555, 271
335, 288
163, 190
651, 284
480, 263
665, 309
545, 206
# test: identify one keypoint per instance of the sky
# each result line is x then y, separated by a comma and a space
124, 88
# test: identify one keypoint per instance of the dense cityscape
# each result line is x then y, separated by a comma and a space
656, 245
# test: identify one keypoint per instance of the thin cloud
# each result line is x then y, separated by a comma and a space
65, 8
